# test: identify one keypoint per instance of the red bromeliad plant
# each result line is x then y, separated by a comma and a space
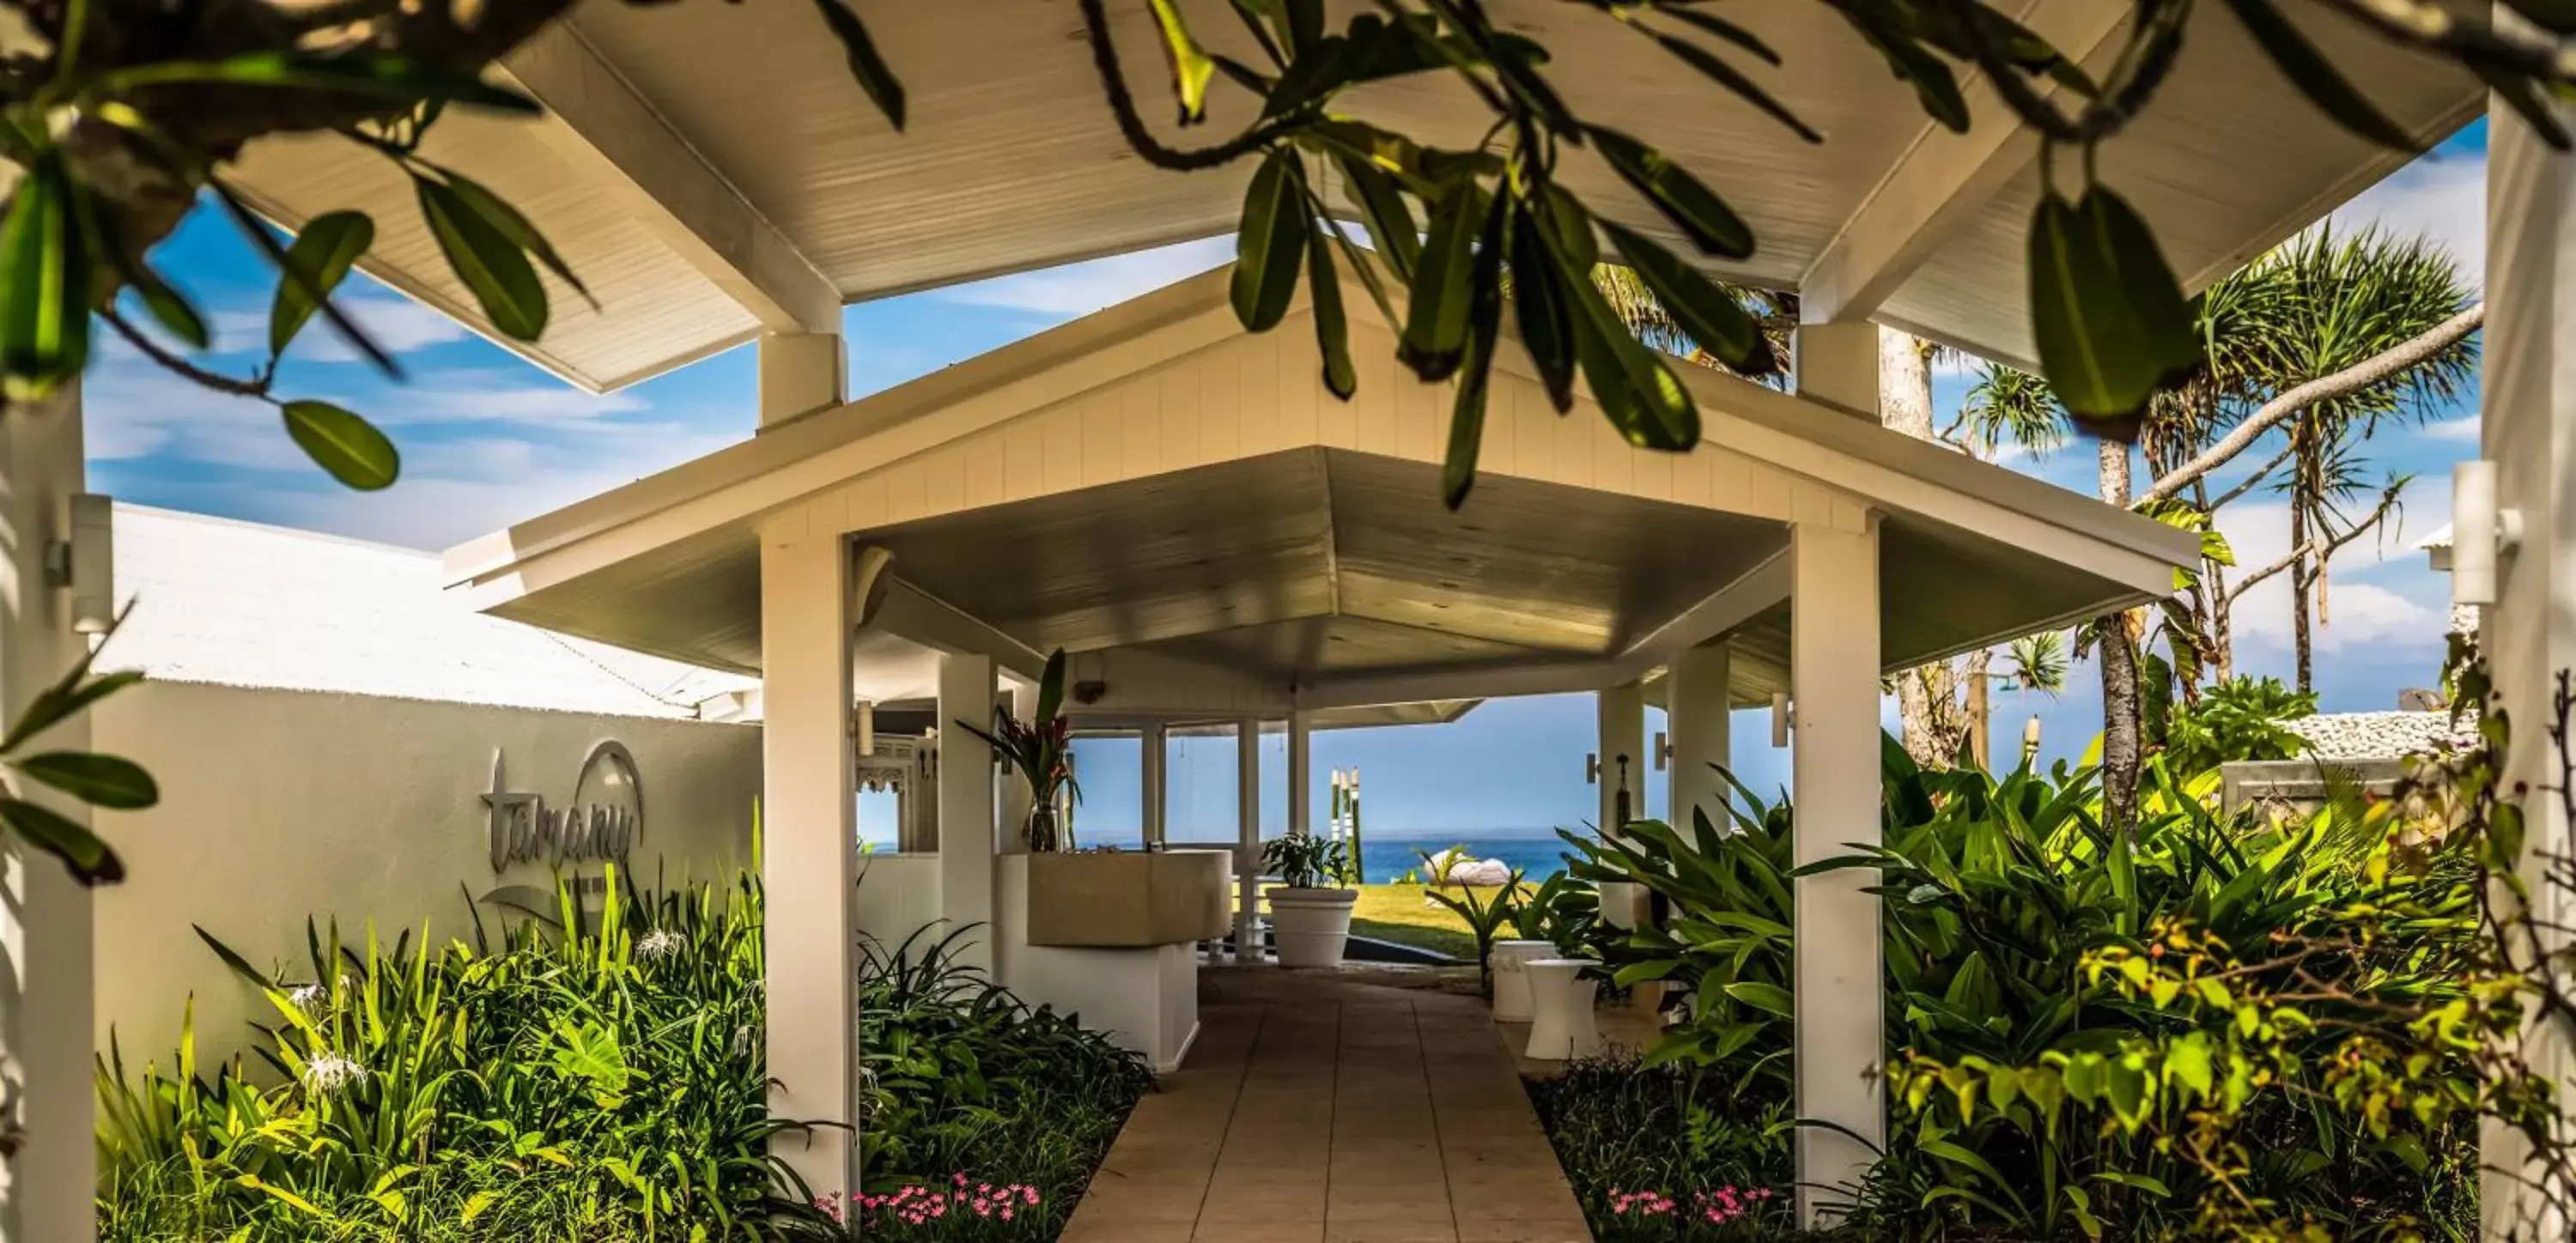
1041, 748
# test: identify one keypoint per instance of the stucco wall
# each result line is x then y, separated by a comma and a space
279, 804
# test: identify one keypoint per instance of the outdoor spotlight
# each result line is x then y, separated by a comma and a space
1779, 718
2480, 532
85, 563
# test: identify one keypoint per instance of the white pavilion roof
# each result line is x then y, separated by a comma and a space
712, 171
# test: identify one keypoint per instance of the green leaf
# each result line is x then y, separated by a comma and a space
1332, 329
102, 780
1191, 68
510, 223
1692, 207
383, 75
1717, 70
240, 965
1539, 306
170, 308
1435, 326
866, 65
87, 858
259, 234
1707, 313
2110, 320
1762, 996
1484, 321
44, 305
1637, 392
1390, 222
321, 257
2316, 77
1270, 243
344, 444
489, 264
74, 691
1936, 88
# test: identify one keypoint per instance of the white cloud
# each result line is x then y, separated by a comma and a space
1082, 288
2464, 428
2357, 613
2441, 197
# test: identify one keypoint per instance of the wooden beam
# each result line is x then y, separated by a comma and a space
1724, 609
1944, 179
914, 614
600, 125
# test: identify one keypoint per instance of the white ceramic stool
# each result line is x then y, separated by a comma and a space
1561, 1025
1509, 961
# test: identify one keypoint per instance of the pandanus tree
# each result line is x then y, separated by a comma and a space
120, 118
2319, 341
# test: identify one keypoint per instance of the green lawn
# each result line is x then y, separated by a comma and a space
1400, 913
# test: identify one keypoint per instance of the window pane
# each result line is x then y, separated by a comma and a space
1111, 770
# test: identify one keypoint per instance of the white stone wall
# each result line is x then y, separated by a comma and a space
278, 804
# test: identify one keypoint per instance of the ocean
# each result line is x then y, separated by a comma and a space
1538, 855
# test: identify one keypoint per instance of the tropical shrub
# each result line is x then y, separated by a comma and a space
1671, 1151
997, 1111
600, 1077
2179, 1034
2239, 719
574, 1079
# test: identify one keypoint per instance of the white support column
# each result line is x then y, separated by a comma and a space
1247, 818
2528, 412
1156, 797
1622, 732
800, 372
1837, 364
809, 865
1697, 708
966, 804
1301, 773
1833, 670
46, 955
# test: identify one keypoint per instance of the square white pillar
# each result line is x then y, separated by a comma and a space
1247, 819
809, 825
1621, 724
968, 832
2528, 428
800, 372
1837, 364
1698, 709
46, 937
1840, 985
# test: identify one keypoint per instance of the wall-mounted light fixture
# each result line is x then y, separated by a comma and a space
85, 563
1663, 750
1779, 718
1592, 768
867, 727
2480, 532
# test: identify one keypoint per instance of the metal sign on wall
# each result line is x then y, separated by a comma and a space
599, 824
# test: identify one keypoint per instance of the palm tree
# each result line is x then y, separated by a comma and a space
2326, 302
1649, 322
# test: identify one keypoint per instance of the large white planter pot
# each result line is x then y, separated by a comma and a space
1309, 927
1509, 963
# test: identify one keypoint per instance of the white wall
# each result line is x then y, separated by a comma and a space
278, 804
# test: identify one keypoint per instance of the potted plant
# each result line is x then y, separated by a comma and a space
1041, 748
1310, 917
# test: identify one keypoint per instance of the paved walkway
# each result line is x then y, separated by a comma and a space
1313, 1111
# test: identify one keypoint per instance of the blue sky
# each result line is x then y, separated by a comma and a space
488, 440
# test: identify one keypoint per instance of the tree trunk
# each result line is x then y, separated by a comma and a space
2120, 744
1924, 711
2299, 636
1981, 710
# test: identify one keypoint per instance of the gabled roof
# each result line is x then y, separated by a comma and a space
242, 604
712, 172
1153, 477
